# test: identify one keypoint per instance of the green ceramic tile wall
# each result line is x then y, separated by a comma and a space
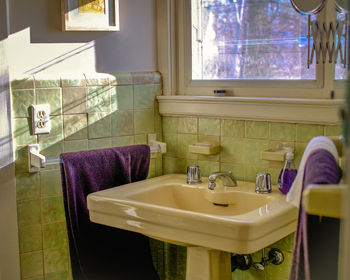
241, 145
88, 112
97, 111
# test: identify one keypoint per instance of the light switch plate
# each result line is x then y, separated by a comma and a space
41, 123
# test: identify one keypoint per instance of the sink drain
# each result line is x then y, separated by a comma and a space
222, 205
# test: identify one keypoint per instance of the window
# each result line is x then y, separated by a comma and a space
250, 48
249, 39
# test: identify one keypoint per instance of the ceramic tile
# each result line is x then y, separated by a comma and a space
253, 150
171, 140
31, 264
76, 145
75, 126
52, 96
56, 133
259, 130
50, 182
183, 141
170, 125
174, 165
56, 259
187, 125
157, 119
30, 238
122, 79
144, 121
28, 212
27, 186
21, 102
253, 274
22, 132
274, 172
282, 131
144, 96
36, 278
63, 275
52, 210
232, 150
46, 82
97, 79
208, 167
122, 98
99, 99
140, 139
333, 130
209, 127
280, 271
251, 171
52, 149
70, 80
152, 169
237, 170
26, 82
100, 143
237, 275
305, 132
55, 235
74, 100
21, 159
298, 154
122, 123
232, 128
139, 78
99, 125
159, 166
122, 141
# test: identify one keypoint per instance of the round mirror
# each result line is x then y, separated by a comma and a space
308, 7
341, 6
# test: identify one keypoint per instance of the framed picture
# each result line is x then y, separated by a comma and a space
90, 15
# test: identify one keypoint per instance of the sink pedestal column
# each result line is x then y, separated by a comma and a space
208, 264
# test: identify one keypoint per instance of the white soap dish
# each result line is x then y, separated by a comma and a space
274, 155
204, 148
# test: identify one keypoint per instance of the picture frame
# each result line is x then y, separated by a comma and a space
90, 15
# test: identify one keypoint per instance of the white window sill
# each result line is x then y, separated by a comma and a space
316, 111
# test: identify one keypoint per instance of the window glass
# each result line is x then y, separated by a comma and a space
340, 70
249, 39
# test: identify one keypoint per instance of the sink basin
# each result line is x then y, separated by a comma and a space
200, 199
225, 219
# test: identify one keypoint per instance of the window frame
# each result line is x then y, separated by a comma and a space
174, 63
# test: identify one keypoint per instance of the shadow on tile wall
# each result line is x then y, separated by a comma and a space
87, 112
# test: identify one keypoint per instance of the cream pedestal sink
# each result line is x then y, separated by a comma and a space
210, 223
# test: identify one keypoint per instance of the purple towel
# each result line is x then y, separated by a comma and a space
100, 252
312, 241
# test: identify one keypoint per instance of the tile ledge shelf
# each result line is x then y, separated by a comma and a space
293, 110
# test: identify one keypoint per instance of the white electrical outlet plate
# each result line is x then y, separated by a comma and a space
41, 123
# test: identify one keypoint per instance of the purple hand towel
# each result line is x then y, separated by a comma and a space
315, 238
100, 252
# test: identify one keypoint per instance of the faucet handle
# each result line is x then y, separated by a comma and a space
263, 183
193, 175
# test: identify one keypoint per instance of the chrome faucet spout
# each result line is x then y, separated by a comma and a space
227, 178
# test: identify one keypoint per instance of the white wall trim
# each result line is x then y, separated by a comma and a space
317, 111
